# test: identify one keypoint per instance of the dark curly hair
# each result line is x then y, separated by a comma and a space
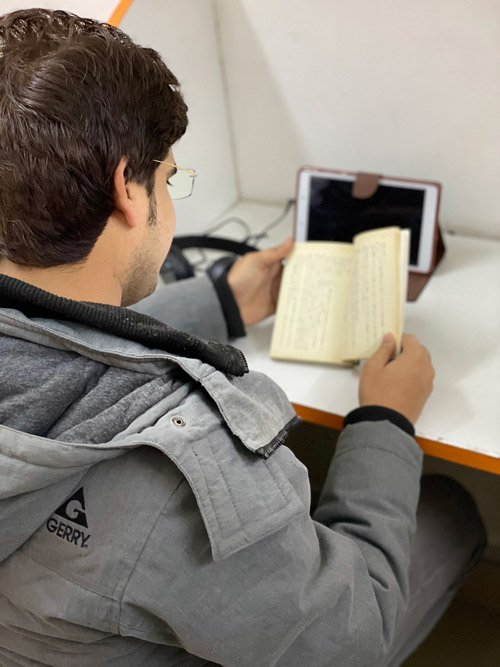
76, 96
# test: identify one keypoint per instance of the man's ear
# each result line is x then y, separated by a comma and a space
124, 200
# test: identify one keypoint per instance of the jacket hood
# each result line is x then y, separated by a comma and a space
73, 396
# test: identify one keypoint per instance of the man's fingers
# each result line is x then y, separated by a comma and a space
385, 352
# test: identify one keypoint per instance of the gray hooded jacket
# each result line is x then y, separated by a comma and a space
149, 515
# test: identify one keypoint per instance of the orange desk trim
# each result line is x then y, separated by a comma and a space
119, 12
319, 417
430, 447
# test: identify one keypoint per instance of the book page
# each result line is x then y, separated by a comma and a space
310, 318
374, 302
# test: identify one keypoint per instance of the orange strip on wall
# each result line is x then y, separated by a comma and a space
119, 12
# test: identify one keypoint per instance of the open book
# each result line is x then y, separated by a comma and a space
337, 300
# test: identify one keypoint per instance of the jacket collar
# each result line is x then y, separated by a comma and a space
121, 322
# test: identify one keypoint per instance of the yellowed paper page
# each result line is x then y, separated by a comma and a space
374, 302
310, 318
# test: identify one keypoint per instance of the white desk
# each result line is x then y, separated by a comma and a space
457, 317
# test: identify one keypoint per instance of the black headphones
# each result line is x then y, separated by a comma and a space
177, 267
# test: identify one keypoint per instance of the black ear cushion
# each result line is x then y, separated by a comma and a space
220, 267
176, 266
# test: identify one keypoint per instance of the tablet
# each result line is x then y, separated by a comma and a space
327, 211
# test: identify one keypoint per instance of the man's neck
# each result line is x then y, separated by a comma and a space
80, 282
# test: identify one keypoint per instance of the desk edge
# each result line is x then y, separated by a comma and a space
434, 448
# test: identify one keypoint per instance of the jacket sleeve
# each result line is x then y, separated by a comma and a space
191, 305
320, 591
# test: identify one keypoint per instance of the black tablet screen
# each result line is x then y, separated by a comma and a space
334, 215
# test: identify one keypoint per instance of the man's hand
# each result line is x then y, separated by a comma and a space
255, 280
403, 383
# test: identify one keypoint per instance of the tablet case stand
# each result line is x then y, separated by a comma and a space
364, 187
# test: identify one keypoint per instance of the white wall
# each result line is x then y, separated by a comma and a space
396, 87
185, 35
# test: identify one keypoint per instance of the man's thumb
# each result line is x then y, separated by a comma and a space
386, 350
277, 253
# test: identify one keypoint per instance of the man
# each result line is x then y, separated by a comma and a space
149, 510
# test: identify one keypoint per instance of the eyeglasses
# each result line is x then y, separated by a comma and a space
181, 183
